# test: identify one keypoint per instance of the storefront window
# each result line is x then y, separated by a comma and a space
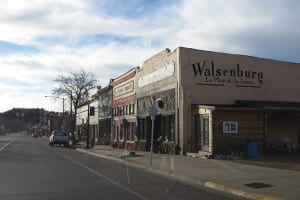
206, 129
168, 127
121, 133
142, 129
133, 130
127, 133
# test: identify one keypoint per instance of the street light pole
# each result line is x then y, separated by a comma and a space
88, 126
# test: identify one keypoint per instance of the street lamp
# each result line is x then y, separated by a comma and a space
63, 104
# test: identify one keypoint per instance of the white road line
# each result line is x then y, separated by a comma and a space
4, 146
227, 167
99, 174
172, 165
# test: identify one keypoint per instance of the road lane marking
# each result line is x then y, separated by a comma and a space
227, 167
99, 174
2, 148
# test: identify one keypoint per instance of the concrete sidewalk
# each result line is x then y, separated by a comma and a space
226, 176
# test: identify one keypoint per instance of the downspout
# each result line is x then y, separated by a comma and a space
264, 132
177, 103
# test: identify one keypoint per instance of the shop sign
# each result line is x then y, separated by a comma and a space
207, 73
124, 89
165, 71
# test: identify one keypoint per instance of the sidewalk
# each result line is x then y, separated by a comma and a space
227, 176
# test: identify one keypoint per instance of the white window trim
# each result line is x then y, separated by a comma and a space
228, 127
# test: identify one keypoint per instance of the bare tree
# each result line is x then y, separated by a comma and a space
76, 86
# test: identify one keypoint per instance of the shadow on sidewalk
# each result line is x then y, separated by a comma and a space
290, 162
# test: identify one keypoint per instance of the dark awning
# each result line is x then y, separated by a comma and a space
273, 105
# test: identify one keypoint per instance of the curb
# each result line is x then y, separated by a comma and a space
207, 184
238, 192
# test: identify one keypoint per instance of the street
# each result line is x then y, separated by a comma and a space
31, 169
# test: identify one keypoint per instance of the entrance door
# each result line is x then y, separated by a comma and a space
196, 136
204, 120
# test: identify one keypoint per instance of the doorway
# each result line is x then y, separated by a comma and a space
196, 136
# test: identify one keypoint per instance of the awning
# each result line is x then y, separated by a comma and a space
269, 105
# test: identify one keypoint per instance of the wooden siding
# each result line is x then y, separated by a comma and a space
250, 127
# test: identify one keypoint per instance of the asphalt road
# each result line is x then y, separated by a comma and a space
31, 169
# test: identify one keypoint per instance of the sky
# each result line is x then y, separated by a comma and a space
41, 39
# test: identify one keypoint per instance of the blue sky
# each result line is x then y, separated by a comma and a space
42, 39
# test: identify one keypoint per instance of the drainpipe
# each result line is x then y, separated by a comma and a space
177, 99
264, 132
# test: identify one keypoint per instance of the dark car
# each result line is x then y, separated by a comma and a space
281, 147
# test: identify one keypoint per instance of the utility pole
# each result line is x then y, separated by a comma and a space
88, 126
72, 120
153, 114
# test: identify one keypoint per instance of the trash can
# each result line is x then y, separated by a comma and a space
252, 149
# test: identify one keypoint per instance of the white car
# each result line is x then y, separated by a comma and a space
59, 137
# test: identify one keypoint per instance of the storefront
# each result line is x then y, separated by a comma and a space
87, 120
105, 114
217, 103
157, 86
93, 119
229, 100
124, 110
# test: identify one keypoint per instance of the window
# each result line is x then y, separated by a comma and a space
127, 133
230, 127
205, 129
133, 130
133, 108
142, 129
168, 126
121, 133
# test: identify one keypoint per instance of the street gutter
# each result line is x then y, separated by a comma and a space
203, 183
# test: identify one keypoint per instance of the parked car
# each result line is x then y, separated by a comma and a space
282, 147
59, 137
34, 135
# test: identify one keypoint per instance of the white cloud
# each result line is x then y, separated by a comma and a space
54, 27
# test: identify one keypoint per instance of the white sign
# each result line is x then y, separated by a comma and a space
230, 127
124, 89
160, 74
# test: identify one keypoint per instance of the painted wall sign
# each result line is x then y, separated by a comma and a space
165, 71
123, 89
209, 74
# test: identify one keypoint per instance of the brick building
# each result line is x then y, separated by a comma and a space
124, 110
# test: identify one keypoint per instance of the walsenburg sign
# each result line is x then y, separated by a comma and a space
209, 74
